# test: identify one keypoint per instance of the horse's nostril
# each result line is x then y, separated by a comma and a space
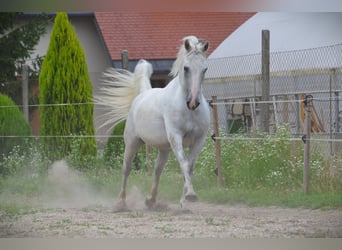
192, 107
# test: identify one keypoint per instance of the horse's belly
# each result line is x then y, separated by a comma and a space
150, 128
152, 134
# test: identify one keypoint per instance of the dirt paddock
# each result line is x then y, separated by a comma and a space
72, 209
200, 221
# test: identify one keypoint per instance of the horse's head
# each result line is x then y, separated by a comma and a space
192, 71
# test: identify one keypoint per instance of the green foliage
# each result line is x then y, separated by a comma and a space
31, 161
17, 41
114, 151
279, 184
271, 162
12, 123
267, 163
115, 147
64, 79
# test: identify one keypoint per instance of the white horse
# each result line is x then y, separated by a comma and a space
169, 118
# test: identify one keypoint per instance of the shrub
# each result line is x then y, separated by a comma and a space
115, 148
268, 162
271, 161
12, 123
64, 79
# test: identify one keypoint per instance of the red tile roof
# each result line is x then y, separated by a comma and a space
153, 35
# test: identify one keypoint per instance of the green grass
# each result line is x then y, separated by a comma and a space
271, 198
16, 192
255, 173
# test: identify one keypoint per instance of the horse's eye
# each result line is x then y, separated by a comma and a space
186, 69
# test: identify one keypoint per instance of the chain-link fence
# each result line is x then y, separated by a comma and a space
237, 83
235, 86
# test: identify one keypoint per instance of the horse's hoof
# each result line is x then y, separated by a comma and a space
191, 197
121, 207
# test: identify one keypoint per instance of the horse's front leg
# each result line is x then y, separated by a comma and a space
189, 194
194, 151
163, 155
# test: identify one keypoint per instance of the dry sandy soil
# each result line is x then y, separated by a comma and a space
74, 211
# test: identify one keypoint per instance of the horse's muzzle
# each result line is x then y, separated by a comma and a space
192, 107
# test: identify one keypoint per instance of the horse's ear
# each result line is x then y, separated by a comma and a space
187, 45
205, 47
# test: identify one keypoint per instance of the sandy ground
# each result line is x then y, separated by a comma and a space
72, 210
202, 221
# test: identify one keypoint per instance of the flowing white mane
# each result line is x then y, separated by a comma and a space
195, 43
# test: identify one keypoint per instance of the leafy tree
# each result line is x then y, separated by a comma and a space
17, 42
64, 79
12, 123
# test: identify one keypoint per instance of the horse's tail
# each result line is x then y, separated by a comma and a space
118, 89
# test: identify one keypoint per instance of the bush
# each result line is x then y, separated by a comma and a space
64, 79
12, 123
114, 151
115, 147
268, 162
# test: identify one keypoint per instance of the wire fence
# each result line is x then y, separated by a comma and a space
236, 87
237, 84
236, 81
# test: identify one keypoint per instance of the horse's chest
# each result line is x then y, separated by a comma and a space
194, 125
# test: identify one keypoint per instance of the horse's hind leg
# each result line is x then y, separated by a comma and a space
131, 148
163, 155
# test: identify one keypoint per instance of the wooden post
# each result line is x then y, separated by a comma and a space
217, 143
307, 135
124, 59
25, 93
265, 76
297, 113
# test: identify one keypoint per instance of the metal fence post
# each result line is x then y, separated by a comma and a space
217, 143
306, 138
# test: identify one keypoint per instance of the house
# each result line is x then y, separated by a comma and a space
156, 36
153, 36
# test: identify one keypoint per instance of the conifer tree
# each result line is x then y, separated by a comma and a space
12, 123
65, 94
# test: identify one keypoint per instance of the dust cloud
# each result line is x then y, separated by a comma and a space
67, 188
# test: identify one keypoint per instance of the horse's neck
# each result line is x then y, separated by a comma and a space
175, 87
